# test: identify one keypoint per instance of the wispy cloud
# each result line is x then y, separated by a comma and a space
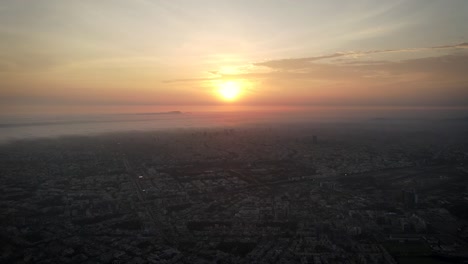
182, 80
461, 46
296, 63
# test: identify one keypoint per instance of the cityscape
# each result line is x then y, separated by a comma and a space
325, 193
234, 132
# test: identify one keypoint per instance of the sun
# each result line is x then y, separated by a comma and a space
230, 90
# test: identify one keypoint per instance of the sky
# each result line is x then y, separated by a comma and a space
147, 53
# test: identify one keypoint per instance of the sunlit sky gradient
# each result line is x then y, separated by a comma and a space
143, 52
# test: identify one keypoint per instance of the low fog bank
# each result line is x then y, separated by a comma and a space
292, 124
345, 120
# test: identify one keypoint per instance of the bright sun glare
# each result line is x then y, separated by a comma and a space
229, 90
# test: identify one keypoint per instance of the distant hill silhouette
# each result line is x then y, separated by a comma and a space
158, 113
385, 119
87, 121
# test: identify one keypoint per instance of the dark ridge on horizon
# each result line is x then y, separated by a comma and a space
155, 113
46, 123
389, 119
384, 119
464, 119
6, 125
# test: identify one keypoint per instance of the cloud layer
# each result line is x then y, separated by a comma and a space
423, 76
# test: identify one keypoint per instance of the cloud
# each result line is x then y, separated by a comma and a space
360, 62
451, 68
297, 63
338, 78
438, 80
182, 80
461, 46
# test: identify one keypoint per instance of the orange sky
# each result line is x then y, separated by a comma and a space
88, 53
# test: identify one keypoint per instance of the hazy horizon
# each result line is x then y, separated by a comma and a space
222, 54
150, 118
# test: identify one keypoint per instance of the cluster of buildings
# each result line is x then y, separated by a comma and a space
256, 195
